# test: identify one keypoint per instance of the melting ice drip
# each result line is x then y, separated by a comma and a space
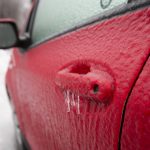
72, 100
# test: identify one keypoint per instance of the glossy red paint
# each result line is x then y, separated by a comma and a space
136, 129
121, 43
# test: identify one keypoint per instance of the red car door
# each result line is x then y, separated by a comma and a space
136, 130
69, 90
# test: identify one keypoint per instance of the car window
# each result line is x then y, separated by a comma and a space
56, 16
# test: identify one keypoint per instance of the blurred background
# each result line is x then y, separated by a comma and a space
7, 138
19, 11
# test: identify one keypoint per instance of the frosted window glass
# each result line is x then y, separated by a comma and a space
56, 16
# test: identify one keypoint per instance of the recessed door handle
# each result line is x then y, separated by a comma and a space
87, 80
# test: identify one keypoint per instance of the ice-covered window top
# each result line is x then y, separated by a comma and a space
55, 16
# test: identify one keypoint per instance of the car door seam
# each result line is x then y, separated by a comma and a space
126, 102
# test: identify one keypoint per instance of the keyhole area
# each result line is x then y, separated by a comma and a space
81, 69
95, 88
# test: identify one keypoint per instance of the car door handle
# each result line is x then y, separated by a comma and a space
87, 80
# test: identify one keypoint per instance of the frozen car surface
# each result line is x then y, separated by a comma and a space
81, 82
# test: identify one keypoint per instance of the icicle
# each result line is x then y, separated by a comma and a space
73, 100
68, 101
65, 95
78, 104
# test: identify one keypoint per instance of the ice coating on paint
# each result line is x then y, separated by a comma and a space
72, 100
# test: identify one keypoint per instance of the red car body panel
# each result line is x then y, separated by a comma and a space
120, 44
137, 118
